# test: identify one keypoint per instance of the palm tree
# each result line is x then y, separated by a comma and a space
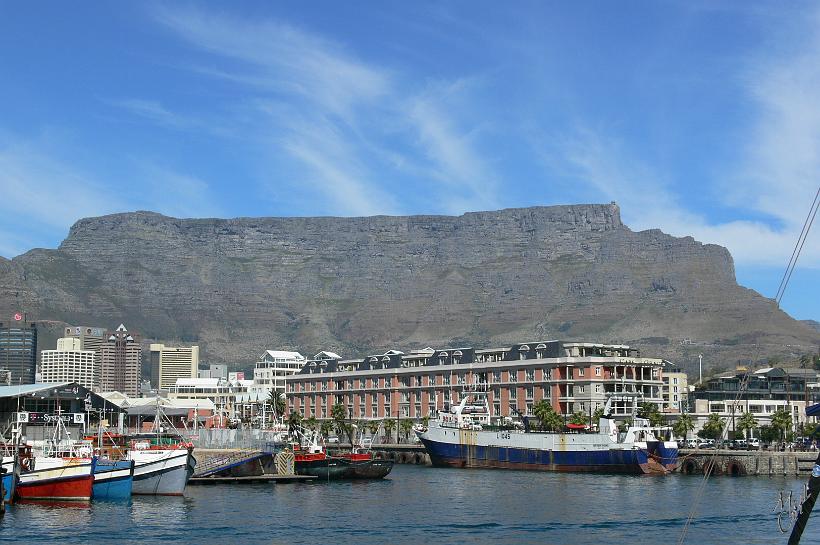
339, 415
373, 426
651, 412
406, 427
547, 418
310, 423
389, 426
782, 422
579, 418
325, 428
541, 410
713, 428
746, 423
277, 402
294, 419
683, 425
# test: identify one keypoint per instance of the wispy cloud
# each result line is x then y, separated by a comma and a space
455, 161
780, 161
52, 193
173, 193
283, 58
648, 199
333, 113
153, 111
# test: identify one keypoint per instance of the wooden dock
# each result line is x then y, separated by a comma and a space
253, 479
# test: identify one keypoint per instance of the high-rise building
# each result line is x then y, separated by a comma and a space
170, 363
70, 364
675, 391
120, 362
18, 351
91, 338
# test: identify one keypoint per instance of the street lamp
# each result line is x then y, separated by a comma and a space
700, 368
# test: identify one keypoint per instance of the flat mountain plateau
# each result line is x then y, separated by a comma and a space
362, 285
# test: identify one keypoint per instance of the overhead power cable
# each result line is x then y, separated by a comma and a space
798, 247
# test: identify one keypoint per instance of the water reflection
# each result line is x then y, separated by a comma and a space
168, 511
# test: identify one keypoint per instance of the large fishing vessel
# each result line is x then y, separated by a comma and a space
463, 437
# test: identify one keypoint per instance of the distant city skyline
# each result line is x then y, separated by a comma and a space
700, 119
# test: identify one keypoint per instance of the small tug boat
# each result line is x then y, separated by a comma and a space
311, 458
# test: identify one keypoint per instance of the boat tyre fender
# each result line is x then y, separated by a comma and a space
690, 466
735, 468
712, 467
26, 464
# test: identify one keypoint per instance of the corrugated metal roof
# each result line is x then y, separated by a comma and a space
26, 389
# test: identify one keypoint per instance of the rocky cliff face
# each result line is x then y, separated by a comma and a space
239, 286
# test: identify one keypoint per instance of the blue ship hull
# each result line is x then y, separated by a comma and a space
9, 479
113, 480
442, 454
8, 487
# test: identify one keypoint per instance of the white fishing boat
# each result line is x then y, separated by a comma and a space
163, 462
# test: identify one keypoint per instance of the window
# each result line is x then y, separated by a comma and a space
513, 394
675, 380
580, 371
599, 388
716, 408
530, 374
496, 376
513, 376
597, 371
547, 374
582, 389
530, 390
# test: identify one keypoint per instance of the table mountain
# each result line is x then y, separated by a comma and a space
357, 285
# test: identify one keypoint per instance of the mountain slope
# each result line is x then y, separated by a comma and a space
239, 286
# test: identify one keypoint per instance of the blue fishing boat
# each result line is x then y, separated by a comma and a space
9, 478
113, 480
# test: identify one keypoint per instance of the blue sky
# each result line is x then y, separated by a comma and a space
699, 118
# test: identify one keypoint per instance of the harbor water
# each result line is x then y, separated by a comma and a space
418, 504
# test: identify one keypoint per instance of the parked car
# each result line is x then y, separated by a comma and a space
738, 444
706, 443
753, 443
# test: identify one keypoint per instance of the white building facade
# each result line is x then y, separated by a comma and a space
70, 364
273, 366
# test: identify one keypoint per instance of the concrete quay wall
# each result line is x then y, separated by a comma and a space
740, 463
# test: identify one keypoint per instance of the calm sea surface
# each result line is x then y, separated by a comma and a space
425, 505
